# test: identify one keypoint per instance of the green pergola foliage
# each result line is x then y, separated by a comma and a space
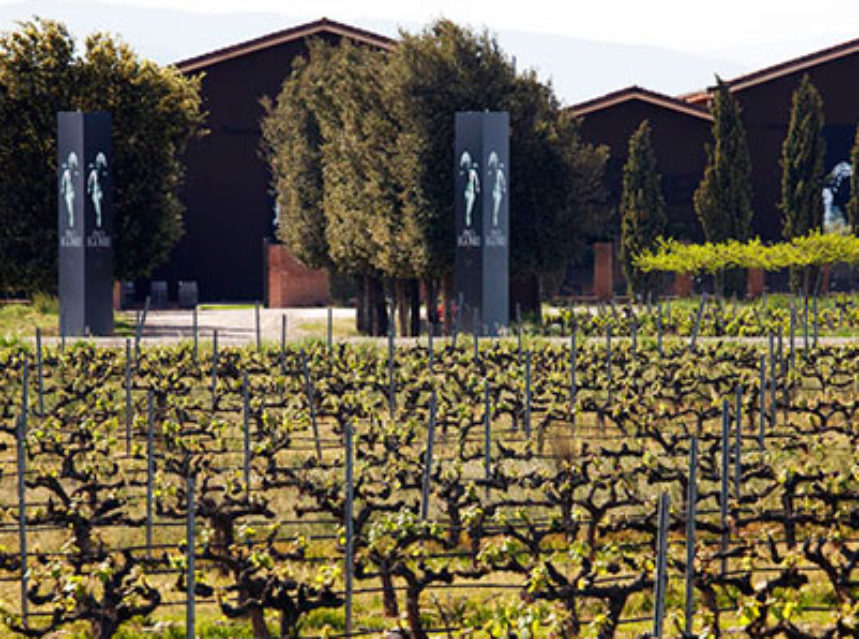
812, 250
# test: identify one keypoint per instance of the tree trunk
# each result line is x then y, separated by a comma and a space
432, 303
413, 612
448, 294
288, 623
402, 306
377, 309
103, 628
362, 290
257, 616
389, 593
414, 293
525, 290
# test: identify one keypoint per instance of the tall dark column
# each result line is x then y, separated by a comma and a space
85, 222
482, 190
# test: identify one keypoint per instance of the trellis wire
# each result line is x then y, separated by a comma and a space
150, 470
661, 566
723, 500
691, 509
246, 432
527, 417
127, 396
349, 566
738, 443
311, 402
196, 331
191, 581
22, 505
39, 376
697, 328
425, 488
487, 434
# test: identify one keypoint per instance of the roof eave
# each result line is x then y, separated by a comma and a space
299, 32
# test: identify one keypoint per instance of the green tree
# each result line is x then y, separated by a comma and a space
360, 144
723, 200
853, 202
155, 112
291, 144
556, 188
802, 159
642, 209
328, 141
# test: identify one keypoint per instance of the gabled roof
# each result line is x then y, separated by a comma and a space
279, 37
644, 95
792, 66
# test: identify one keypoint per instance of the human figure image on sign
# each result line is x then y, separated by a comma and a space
835, 195
97, 171
499, 185
67, 186
472, 183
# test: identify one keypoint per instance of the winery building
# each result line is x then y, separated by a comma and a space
227, 247
681, 130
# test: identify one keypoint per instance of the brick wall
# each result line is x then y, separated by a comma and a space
603, 270
290, 283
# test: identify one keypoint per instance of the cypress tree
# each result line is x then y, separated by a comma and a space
802, 163
723, 200
853, 203
802, 168
642, 209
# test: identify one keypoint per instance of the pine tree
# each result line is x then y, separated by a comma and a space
802, 158
642, 209
853, 203
723, 200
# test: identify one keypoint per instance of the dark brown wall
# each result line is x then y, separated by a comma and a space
226, 191
766, 115
678, 140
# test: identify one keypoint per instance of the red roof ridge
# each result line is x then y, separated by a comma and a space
791, 66
279, 37
636, 92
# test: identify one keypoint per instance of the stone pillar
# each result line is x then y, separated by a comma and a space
755, 280
603, 270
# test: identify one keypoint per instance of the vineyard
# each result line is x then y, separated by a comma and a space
489, 488
806, 318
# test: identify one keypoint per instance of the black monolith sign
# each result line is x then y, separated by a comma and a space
482, 189
85, 223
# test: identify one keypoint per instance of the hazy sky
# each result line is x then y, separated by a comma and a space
729, 28
586, 47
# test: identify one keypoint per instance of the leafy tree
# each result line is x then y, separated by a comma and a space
555, 181
360, 144
155, 111
291, 144
723, 200
802, 158
853, 203
642, 209
327, 140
